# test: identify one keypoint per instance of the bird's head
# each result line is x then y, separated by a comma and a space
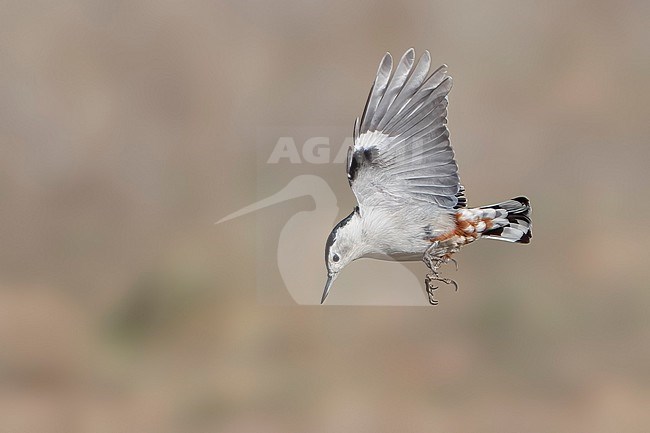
344, 245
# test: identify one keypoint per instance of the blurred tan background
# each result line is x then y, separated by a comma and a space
128, 128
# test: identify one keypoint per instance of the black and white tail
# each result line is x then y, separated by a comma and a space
511, 222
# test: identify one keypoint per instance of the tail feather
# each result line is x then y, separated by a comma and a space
512, 221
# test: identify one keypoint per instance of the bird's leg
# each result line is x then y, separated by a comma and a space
434, 257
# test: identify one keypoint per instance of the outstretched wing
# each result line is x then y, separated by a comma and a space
401, 150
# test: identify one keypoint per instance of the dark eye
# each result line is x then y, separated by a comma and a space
335, 258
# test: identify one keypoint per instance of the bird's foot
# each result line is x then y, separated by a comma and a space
434, 262
428, 282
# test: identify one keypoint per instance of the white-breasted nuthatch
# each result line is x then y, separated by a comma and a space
401, 168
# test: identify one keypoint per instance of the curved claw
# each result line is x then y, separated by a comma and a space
455, 263
450, 281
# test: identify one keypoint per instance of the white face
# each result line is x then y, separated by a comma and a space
341, 248
338, 258
343, 244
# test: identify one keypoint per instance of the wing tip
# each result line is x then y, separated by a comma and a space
388, 58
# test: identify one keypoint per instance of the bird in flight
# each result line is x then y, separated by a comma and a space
401, 168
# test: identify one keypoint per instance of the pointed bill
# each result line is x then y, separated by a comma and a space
326, 292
